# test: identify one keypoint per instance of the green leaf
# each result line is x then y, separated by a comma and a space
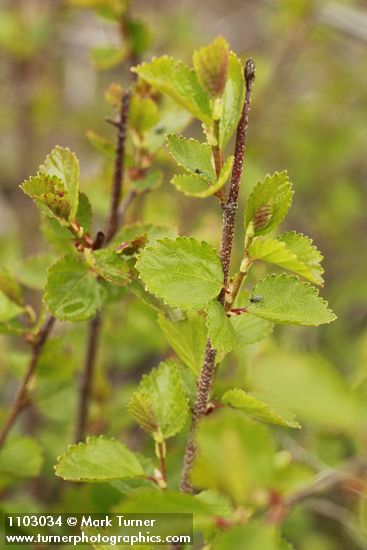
31, 271
107, 57
253, 536
84, 214
235, 455
72, 291
187, 338
143, 113
192, 155
21, 457
311, 387
184, 272
285, 299
250, 329
292, 251
260, 410
211, 66
220, 329
179, 82
232, 100
11, 297
150, 182
128, 233
63, 164
99, 459
50, 192
269, 203
160, 405
195, 186
109, 265
101, 144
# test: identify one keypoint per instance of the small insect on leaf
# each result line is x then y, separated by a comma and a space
255, 299
197, 171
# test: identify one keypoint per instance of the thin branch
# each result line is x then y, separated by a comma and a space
208, 369
21, 400
86, 381
113, 218
113, 223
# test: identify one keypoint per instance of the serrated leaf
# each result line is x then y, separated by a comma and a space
184, 272
179, 82
50, 192
292, 251
269, 203
72, 291
245, 448
107, 57
150, 182
160, 405
258, 409
220, 329
187, 338
211, 66
101, 144
64, 165
143, 113
194, 186
285, 299
192, 155
109, 265
21, 457
250, 329
99, 459
232, 100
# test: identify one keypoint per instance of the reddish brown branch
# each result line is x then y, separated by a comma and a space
113, 218
22, 400
208, 369
86, 380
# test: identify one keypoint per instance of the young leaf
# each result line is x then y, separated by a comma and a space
109, 265
101, 144
285, 299
211, 66
160, 405
143, 113
192, 155
292, 251
233, 99
258, 409
187, 338
220, 329
21, 457
99, 459
63, 164
50, 192
11, 297
269, 203
8, 309
179, 82
107, 57
72, 291
84, 214
235, 455
195, 186
250, 329
184, 272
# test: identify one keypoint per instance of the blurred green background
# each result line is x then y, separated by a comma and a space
308, 116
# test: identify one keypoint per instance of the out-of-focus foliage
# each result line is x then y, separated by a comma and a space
308, 115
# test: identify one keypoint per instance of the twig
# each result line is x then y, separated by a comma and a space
86, 381
21, 400
208, 369
113, 222
113, 218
